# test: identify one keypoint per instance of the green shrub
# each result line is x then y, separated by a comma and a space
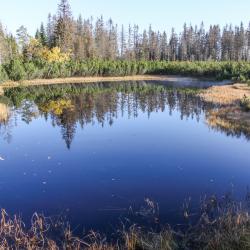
15, 70
32, 71
3, 75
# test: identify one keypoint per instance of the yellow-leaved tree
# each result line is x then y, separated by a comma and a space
54, 55
35, 50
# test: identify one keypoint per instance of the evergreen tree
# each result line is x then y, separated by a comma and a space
22, 37
173, 46
79, 51
123, 43
64, 28
3, 45
43, 37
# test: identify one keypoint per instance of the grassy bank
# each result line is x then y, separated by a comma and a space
226, 95
90, 79
220, 224
18, 72
232, 113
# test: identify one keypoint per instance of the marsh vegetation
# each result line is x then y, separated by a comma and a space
91, 152
214, 224
218, 224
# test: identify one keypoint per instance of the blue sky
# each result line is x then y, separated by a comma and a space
162, 14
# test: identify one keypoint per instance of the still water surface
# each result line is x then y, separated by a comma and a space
91, 154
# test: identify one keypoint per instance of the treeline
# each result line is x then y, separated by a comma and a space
89, 39
86, 47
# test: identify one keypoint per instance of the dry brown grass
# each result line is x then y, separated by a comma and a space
226, 95
135, 239
231, 120
80, 80
44, 234
221, 224
230, 116
4, 113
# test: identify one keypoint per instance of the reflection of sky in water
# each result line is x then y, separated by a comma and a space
110, 167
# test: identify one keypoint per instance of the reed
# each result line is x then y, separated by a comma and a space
221, 224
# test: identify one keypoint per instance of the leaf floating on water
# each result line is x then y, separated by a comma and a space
1, 158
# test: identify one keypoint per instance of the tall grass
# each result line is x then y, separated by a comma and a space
222, 224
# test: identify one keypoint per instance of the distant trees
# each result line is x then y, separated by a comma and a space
41, 35
87, 39
3, 45
22, 38
64, 27
8, 46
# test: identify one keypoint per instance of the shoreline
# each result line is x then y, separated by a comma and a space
81, 80
91, 79
224, 94
228, 116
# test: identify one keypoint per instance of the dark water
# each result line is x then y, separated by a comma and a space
91, 153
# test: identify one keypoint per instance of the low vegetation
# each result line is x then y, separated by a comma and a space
227, 95
17, 69
245, 103
220, 224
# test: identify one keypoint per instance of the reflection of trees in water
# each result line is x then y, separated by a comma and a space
231, 121
104, 107
72, 105
5, 121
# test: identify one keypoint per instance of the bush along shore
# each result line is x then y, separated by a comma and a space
19, 69
218, 224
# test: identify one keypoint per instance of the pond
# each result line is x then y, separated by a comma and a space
92, 152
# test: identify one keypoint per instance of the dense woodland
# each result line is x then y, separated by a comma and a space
60, 45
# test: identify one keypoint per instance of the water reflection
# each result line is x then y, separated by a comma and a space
109, 169
67, 106
229, 120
